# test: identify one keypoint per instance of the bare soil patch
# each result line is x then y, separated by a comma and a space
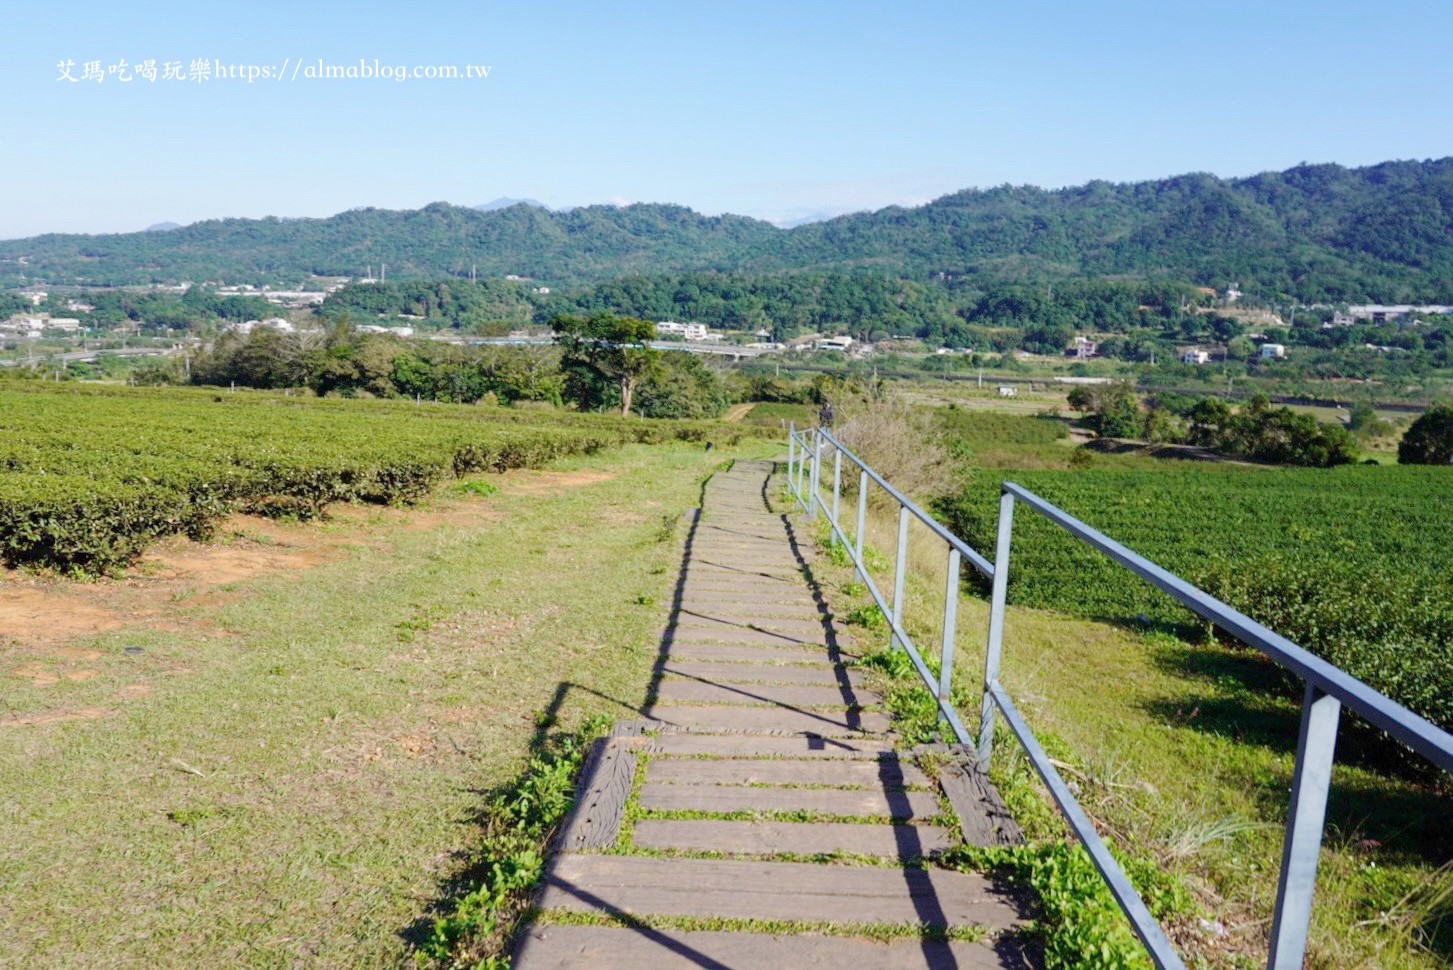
548, 483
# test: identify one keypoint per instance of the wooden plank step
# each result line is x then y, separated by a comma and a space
783, 695
775, 890
768, 641
804, 623
901, 842
738, 607
770, 720
780, 559
748, 653
766, 593
782, 599
829, 801
717, 575
751, 746
721, 567
638, 948
883, 773
745, 532
721, 634
762, 673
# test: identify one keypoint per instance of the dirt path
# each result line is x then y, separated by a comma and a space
738, 411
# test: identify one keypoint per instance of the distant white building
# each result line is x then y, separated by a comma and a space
1273, 351
839, 344
1195, 356
687, 331
1379, 313
66, 324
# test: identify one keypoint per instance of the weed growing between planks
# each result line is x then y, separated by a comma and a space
518, 824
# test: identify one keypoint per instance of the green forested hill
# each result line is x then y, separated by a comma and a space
1316, 232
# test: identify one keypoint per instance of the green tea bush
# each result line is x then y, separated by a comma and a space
89, 477
1354, 564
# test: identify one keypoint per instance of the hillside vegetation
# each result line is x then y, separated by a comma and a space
1316, 232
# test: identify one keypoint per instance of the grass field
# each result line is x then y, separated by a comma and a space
271, 750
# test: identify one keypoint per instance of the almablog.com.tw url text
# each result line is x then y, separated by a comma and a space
202, 69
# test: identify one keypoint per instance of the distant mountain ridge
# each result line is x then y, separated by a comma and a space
1318, 232
504, 202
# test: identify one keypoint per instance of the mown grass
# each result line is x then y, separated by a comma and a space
775, 415
306, 775
1183, 754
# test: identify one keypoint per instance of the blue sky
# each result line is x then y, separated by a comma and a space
777, 110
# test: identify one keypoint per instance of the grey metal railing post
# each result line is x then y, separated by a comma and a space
996, 625
950, 620
837, 475
1305, 817
862, 519
791, 454
791, 450
900, 570
812, 475
802, 472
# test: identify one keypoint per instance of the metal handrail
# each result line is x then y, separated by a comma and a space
894, 612
1328, 688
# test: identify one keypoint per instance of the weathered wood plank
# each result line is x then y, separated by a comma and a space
771, 720
763, 673
773, 746
776, 890
983, 816
749, 653
639, 948
735, 609
595, 820
886, 772
786, 695
798, 624
730, 634
828, 801
902, 842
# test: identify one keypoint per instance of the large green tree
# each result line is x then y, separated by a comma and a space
605, 355
1429, 441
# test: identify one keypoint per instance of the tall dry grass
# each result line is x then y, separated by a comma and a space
898, 440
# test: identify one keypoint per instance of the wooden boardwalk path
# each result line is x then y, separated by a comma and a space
762, 816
